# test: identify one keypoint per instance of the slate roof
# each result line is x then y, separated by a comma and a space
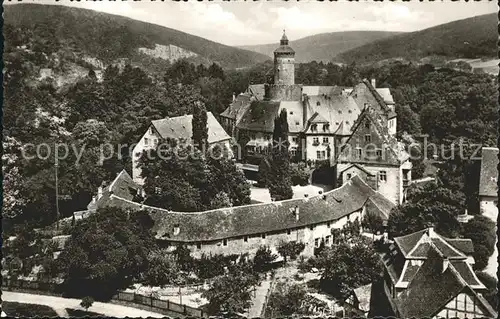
255, 219
432, 288
364, 93
257, 90
489, 174
265, 122
180, 127
122, 186
238, 107
294, 115
337, 109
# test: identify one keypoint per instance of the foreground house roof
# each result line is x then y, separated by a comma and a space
489, 174
253, 219
180, 127
434, 285
404, 258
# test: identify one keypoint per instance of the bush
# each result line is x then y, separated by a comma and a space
290, 249
286, 300
263, 259
299, 174
87, 302
491, 285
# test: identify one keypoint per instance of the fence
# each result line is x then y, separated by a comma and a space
130, 299
157, 304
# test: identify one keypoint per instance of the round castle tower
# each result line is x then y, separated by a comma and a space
284, 59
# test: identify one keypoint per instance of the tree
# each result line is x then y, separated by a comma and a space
348, 265
431, 206
230, 293
482, 231
290, 249
263, 259
200, 128
163, 269
280, 184
299, 174
106, 252
373, 222
87, 302
286, 299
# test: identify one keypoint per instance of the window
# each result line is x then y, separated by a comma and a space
367, 124
263, 235
358, 151
320, 155
326, 127
316, 242
297, 123
224, 242
336, 123
315, 141
198, 245
155, 142
368, 138
318, 103
349, 175
314, 127
379, 153
328, 224
347, 122
157, 190
291, 112
294, 139
293, 152
349, 111
288, 232
325, 140
146, 141
327, 240
245, 239
383, 176
340, 112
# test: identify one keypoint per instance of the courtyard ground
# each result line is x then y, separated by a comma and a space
260, 194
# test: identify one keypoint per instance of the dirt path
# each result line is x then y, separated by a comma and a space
60, 304
259, 300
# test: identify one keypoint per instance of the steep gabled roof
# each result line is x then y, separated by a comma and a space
365, 94
435, 284
263, 121
122, 186
238, 107
180, 127
392, 151
489, 174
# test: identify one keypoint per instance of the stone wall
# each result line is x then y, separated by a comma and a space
311, 236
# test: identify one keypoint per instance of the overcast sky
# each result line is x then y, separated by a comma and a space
240, 23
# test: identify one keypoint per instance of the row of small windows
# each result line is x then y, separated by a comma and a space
314, 127
326, 140
146, 142
382, 175
288, 232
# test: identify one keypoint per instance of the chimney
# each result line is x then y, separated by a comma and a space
430, 232
99, 192
234, 97
93, 200
374, 83
297, 213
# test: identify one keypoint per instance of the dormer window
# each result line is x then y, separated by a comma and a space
326, 127
177, 229
314, 127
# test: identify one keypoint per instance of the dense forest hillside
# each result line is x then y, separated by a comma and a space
110, 37
325, 46
469, 38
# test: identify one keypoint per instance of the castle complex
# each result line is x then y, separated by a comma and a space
351, 128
